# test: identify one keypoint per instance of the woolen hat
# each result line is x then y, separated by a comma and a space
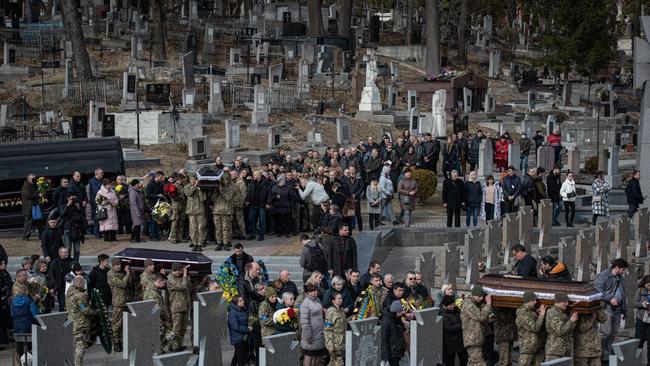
529, 296
561, 297
270, 291
396, 307
477, 290
177, 266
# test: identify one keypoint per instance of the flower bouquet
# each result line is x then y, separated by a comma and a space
99, 199
122, 198
366, 305
227, 279
161, 212
285, 316
43, 185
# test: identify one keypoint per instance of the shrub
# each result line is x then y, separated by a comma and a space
591, 165
427, 183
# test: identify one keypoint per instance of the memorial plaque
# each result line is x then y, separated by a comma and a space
363, 343
79, 127
108, 125
130, 86
158, 93
426, 338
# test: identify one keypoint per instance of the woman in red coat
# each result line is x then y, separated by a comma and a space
501, 153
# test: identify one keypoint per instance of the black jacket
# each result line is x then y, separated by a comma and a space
431, 150
51, 241
473, 194
153, 190
527, 189
338, 198
240, 263
282, 197
3, 254
29, 197
355, 187
373, 168
452, 332
453, 193
290, 287
74, 221
474, 147
553, 185
418, 290
56, 272
527, 267
246, 290
392, 333
633, 192
348, 254
78, 190
259, 193
98, 279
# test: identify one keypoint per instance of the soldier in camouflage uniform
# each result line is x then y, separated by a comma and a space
178, 210
266, 310
195, 210
474, 314
505, 332
157, 291
80, 313
222, 198
239, 203
146, 278
336, 324
559, 327
587, 348
179, 286
531, 332
119, 280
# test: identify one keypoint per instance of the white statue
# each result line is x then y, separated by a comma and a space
438, 101
371, 68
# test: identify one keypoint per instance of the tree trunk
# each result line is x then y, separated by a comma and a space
159, 37
72, 22
409, 22
462, 28
432, 16
315, 18
345, 18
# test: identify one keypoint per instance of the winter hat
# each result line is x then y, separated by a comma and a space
477, 290
270, 291
447, 300
396, 307
177, 266
116, 261
529, 296
561, 297
385, 169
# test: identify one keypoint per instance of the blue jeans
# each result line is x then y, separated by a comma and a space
387, 209
523, 164
73, 246
557, 208
253, 214
471, 215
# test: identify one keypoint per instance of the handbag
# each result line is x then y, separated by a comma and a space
596, 199
37, 212
571, 194
406, 199
101, 214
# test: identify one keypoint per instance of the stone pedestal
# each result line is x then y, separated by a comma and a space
370, 99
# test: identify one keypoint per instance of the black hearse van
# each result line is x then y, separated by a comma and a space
52, 159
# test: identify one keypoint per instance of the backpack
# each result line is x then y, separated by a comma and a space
317, 259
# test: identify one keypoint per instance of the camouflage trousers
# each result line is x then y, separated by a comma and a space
222, 228
586, 361
179, 327
117, 322
197, 229
165, 334
178, 218
530, 359
505, 353
548, 357
475, 356
238, 216
80, 347
337, 358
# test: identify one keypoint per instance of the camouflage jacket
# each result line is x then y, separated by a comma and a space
222, 199
146, 280
179, 199
560, 332
586, 340
474, 316
195, 199
239, 199
179, 293
119, 283
335, 326
79, 310
265, 315
253, 314
505, 328
162, 299
530, 329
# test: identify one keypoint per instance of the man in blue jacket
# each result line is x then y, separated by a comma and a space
94, 184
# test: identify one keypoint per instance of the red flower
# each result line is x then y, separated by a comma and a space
291, 313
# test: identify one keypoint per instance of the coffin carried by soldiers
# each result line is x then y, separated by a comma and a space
198, 264
507, 292
209, 176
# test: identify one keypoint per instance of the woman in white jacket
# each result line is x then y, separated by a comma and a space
568, 194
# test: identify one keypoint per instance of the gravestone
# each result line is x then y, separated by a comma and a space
412, 99
232, 133
3, 115
567, 252
394, 71
566, 93
531, 100
613, 177
438, 113
188, 80
216, 100
564, 361
275, 75
210, 317
526, 219
279, 349
426, 337
584, 251
514, 155
343, 131
52, 342
303, 75
621, 236
274, 137
129, 86
495, 60
260, 114
546, 158
449, 264
490, 104
641, 75
235, 56
641, 222
602, 248
573, 158
626, 353
9, 54
472, 254
631, 283
485, 159
174, 359
551, 121
426, 265
544, 222
510, 235
414, 121
363, 343
370, 96
467, 99
141, 332
96, 113
68, 79
492, 239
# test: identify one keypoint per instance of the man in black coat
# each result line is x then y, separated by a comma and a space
355, 187
29, 196
240, 258
258, 200
51, 241
98, 279
77, 189
60, 195
373, 166
526, 265
452, 333
474, 146
393, 344
553, 185
413, 288
430, 153
633, 193
246, 284
287, 284
453, 197
511, 191
347, 250
56, 272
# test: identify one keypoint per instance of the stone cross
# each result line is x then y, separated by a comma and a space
472, 254
279, 349
567, 252
141, 332
584, 251
173, 359
495, 59
485, 159
641, 223
621, 236
426, 337
363, 343
232, 133
526, 219
603, 244
492, 238
449, 263
426, 265
564, 361
210, 317
641, 75
216, 100
52, 342
510, 236
544, 222
631, 288
626, 353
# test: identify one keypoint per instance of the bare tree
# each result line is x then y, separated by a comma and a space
432, 14
462, 29
344, 18
159, 36
315, 18
409, 22
72, 22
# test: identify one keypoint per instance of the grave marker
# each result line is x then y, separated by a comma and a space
641, 223
216, 101
510, 236
603, 244
621, 236
531, 100
567, 252
274, 137
626, 353
370, 96
514, 155
485, 159
414, 121
363, 343
495, 60
544, 222
467, 99
426, 337
584, 251
173, 359
546, 158
526, 219
260, 114
52, 341
426, 265
449, 264
438, 101
343, 131
232, 133
141, 332
613, 177
493, 236
279, 349
68, 78
210, 317
412, 99
472, 254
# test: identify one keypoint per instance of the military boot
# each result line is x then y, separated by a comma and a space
228, 247
118, 347
219, 247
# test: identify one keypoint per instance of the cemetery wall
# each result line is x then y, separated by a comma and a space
158, 128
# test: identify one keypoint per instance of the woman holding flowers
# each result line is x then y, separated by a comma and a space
335, 326
107, 199
266, 311
286, 317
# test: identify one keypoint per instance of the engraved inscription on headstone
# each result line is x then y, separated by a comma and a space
363, 343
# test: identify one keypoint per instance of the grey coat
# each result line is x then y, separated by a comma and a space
136, 205
407, 202
312, 324
374, 196
641, 296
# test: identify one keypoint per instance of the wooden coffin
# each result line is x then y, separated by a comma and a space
198, 264
209, 177
507, 292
